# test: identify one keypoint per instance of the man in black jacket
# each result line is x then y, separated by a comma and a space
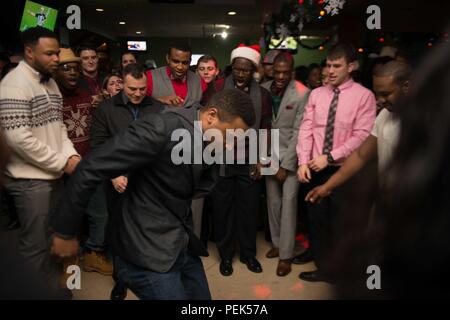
152, 233
112, 117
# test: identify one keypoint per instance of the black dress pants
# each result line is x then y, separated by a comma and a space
322, 218
235, 207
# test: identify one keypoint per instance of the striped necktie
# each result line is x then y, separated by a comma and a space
328, 143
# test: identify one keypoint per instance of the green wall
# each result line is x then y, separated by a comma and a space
307, 56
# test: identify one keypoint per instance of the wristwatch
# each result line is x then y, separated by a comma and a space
330, 158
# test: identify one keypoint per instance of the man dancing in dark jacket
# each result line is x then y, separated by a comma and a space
151, 236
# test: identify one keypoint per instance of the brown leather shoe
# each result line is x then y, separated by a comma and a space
273, 253
97, 261
284, 268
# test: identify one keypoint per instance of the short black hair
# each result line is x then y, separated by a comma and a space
207, 58
342, 50
382, 60
401, 71
313, 66
182, 46
233, 103
136, 70
31, 36
85, 46
285, 57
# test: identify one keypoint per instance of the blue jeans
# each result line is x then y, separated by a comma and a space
186, 280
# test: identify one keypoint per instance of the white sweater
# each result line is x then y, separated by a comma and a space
32, 122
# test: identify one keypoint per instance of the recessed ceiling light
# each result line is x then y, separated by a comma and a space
138, 32
232, 13
122, 22
99, 10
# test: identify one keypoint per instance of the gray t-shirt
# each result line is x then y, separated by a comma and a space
386, 130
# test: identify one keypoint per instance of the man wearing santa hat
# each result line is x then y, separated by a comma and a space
236, 197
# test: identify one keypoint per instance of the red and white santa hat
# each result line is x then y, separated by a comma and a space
252, 53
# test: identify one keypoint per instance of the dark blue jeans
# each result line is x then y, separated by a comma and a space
185, 281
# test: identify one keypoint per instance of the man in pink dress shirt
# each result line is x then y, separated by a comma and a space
337, 119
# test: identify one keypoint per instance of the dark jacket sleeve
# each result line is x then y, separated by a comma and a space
137, 146
99, 128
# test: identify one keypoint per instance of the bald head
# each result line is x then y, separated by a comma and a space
400, 71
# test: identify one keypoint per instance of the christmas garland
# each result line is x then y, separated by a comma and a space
294, 15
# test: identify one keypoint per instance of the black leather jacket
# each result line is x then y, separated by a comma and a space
147, 233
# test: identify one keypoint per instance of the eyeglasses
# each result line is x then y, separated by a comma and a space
67, 68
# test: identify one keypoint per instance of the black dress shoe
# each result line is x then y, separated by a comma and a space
226, 269
252, 264
119, 292
315, 276
304, 257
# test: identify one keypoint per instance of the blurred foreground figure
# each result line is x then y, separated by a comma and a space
412, 242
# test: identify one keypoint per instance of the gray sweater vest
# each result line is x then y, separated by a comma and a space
162, 86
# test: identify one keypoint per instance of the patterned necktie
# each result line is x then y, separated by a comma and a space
328, 143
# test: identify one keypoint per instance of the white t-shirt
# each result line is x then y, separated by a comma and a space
386, 130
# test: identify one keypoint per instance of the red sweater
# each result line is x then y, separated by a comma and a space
77, 115
180, 87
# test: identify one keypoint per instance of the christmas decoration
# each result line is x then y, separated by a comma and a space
291, 20
333, 6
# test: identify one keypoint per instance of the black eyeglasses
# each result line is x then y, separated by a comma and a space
67, 68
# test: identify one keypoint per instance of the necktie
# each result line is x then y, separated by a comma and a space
328, 143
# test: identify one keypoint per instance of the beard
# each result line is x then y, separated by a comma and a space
45, 75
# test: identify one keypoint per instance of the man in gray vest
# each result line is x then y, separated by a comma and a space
236, 197
289, 100
175, 84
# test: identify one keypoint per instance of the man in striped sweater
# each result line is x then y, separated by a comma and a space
32, 123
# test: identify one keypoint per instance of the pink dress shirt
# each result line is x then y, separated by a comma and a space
355, 117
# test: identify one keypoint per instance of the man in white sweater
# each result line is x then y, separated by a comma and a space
32, 123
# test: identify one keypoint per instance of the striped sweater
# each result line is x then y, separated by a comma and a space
32, 122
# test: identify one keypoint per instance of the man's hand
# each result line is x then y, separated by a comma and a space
281, 175
64, 248
256, 173
175, 101
317, 194
120, 184
319, 163
304, 174
71, 164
